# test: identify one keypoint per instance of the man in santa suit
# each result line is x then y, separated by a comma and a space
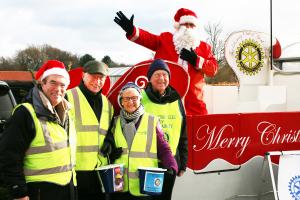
183, 47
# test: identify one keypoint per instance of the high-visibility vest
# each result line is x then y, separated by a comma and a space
143, 152
51, 154
170, 119
90, 133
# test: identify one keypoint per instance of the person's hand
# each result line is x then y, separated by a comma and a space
106, 148
189, 56
171, 172
180, 173
125, 23
23, 198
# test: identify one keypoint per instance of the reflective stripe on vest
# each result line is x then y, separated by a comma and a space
170, 119
49, 156
143, 152
90, 135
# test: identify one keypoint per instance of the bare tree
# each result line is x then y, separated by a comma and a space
225, 74
214, 31
33, 57
6, 63
52, 53
29, 58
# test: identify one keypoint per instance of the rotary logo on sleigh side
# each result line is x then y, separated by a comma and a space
249, 57
294, 187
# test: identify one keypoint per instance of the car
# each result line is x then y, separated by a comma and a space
7, 103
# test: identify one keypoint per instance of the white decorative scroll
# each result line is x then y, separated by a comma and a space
141, 81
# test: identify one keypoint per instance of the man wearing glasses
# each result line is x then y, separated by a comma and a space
160, 99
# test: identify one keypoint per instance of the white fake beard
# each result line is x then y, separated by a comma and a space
185, 38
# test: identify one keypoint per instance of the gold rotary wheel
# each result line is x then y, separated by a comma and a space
249, 57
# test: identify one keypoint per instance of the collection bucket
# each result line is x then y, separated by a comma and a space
112, 177
151, 180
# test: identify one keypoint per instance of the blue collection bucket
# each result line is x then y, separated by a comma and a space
112, 177
151, 180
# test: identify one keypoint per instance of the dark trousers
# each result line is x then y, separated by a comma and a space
50, 191
128, 196
169, 181
89, 186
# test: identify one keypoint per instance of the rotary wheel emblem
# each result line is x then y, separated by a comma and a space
249, 57
294, 187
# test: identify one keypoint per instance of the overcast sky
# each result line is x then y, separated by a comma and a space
86, 26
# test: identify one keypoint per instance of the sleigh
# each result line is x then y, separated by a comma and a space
245, 121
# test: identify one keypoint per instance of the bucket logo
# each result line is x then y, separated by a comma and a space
249, 57
294, 187
157, 182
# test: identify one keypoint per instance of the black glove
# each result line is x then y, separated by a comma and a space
106, 148
124, 22
171, 172
115, 154
189, 56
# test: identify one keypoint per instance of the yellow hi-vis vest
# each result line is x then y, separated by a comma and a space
89, 133
51, 154
143, 152
170, 119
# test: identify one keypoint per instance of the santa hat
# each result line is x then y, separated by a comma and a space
184, 15
52, 67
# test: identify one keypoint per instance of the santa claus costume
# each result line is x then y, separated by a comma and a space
168, 46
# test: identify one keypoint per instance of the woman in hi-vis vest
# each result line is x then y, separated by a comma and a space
136, 139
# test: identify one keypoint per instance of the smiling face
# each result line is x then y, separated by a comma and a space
93, 82
54, 87
160, 81
130, 100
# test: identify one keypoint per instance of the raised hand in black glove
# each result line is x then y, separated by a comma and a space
115, 154
124, 22
189, 56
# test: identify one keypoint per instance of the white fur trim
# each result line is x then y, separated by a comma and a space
136, 35
188, 19
56, 71
201, 61
183, 63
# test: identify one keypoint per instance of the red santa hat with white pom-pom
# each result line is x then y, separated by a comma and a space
184, 15
52, 67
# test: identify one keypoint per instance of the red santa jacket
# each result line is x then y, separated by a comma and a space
164, 48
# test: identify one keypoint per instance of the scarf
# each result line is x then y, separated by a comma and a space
128, 121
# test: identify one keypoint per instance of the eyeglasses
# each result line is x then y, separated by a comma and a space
127, 99
159, 74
